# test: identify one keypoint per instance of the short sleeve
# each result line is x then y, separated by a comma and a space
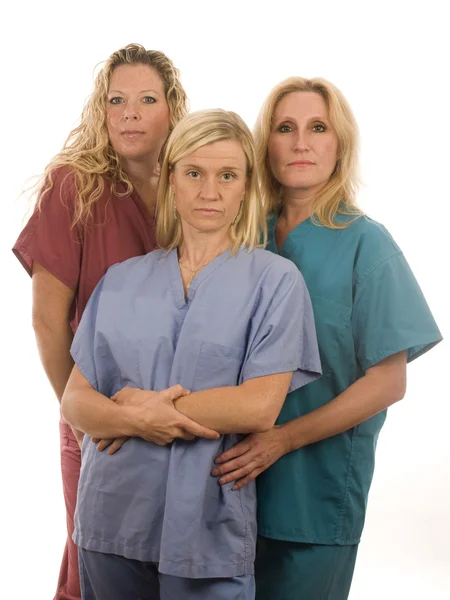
49, 237
90, 350
390, 314
283, 336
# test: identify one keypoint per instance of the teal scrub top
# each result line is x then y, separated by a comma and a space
367, 306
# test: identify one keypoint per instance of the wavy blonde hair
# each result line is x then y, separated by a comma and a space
197, 130
339, 194
88, 150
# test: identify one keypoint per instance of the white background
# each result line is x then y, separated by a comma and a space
391, 59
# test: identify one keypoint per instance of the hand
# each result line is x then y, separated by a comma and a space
245, 461
156, 418
127, 396
113, 444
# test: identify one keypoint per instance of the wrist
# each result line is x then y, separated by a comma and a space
133, 422
290, 442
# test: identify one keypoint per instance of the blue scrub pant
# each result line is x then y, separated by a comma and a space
295, 571
113, 577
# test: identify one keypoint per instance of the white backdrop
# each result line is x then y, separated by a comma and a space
391, 59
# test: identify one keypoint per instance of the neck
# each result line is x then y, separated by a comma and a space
297, 206
142, 170
144, 175
200, 247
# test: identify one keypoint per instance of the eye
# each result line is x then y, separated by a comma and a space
193, 174
284, 128
228, 176
319, 127
116, 100
149, 100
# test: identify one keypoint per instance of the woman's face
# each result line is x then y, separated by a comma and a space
209, 186
137, 113
302, 145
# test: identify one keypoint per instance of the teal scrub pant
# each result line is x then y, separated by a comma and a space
295, 571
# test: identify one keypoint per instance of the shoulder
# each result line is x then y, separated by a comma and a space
373, 245
133, 268
271, 266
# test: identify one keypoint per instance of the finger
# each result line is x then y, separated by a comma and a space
184, 435
234, 452
238, 473
245, 480
117, 444
196, 429
104, 443
174, 392
95, 440
233, 465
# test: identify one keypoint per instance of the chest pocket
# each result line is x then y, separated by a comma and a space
217, 366
334, 334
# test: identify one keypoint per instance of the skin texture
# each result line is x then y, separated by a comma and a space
208, 186
302, 131
136, 101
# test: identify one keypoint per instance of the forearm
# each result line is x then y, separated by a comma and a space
95, 414
233, 409
54, 350
362, 400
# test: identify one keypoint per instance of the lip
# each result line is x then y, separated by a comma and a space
301, 163
207, 211
132, 132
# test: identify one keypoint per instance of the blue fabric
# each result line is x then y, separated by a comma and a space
367, 306
245, 316
112, 577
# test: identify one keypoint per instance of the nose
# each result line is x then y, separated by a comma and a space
210, 189
131, 113
300, 141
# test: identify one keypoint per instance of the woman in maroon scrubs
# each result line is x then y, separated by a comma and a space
95, 207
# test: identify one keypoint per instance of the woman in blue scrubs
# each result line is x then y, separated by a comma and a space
209, 313
371, 320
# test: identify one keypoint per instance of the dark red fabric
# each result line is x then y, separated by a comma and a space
120, 228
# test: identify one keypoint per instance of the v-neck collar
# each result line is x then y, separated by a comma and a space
299, 230
176, 282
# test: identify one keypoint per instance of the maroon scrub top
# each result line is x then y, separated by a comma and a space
79, 256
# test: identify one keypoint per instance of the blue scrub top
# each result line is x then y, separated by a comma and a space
367, 306
245, 316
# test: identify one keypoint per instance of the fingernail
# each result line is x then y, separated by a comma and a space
214, 472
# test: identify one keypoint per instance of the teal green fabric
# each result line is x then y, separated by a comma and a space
293, 571
367, 306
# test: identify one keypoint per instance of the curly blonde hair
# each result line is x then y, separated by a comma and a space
88, 150
339, 194
196, 130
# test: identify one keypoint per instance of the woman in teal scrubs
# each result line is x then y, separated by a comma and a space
371, 320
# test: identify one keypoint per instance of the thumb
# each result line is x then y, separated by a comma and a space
174, 392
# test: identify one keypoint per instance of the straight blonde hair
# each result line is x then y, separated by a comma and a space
194, 131
339, 195
88, 150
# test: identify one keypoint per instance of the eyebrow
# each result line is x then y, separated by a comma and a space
141, 92
316, 118
224, 168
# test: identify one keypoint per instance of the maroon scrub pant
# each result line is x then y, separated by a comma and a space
69, 578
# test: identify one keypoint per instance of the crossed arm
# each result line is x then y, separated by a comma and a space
163, 416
